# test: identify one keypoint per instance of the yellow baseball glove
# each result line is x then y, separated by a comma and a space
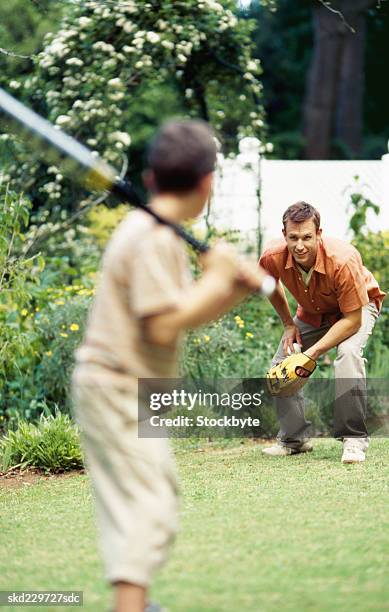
288, 376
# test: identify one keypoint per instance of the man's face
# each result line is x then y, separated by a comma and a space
302, 240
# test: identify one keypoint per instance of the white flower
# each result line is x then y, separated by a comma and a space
14, 84
92, 142
153, 37
57, 48
167, 44
128, 27
74, 61
62, 120
111, 63
128, 49
182, 58
188, 93
252, 66
84, 22
121, 137
139, 64
114, 82
269, 147
100, 45
116, 96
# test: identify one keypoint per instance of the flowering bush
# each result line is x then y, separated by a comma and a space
106, 74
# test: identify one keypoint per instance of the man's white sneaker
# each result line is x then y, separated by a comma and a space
279, 450
354, 450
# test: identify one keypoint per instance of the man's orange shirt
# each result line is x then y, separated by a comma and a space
340, 283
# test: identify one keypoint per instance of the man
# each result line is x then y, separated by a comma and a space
338, 303
144, 302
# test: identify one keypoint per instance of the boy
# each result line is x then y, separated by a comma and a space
143, 304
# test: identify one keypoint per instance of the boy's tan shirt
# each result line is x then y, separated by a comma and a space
144, 272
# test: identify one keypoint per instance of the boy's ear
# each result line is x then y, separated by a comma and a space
205, 184
149, 180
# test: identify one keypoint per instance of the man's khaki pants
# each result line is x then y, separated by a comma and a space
134, 481
350, 384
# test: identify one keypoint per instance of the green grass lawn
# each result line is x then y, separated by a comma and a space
302, 533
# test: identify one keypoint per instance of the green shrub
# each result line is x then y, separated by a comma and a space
52, 445
41, 375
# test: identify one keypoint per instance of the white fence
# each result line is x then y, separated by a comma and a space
325, 184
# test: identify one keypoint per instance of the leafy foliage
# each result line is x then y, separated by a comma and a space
114, 71
51, 445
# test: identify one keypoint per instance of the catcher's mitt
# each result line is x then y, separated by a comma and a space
283, 380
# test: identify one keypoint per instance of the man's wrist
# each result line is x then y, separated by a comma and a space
287, 322
314, 353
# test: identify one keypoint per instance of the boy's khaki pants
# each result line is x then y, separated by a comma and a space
134, 481
350, 384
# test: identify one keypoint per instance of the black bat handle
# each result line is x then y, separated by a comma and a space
124, 190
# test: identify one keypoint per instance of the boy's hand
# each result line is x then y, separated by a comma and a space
250, 275
222, 261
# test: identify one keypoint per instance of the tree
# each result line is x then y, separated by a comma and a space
284, 40
335, 83
21, 37
113, 71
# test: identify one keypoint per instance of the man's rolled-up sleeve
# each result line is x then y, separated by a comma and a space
268, 264
350, 285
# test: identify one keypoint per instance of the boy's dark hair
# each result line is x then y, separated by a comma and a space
181, 154
299, 212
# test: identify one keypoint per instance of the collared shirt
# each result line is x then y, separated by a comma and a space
306, 275
340, 283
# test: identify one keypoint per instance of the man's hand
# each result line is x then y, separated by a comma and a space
291, 335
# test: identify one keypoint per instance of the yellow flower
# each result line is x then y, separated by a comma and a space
249, 335
237, 318
49, 353
37, 309
206, 338
60, 302
70, 288
63, 335
74, 327
24, 312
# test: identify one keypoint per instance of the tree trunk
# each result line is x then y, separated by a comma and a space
322, 82
349, 109
335, 82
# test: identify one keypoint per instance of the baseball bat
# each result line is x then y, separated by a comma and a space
79, 162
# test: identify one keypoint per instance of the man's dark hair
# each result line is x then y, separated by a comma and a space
299, 212
181, 154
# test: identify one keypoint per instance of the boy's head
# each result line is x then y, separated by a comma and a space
181, 155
